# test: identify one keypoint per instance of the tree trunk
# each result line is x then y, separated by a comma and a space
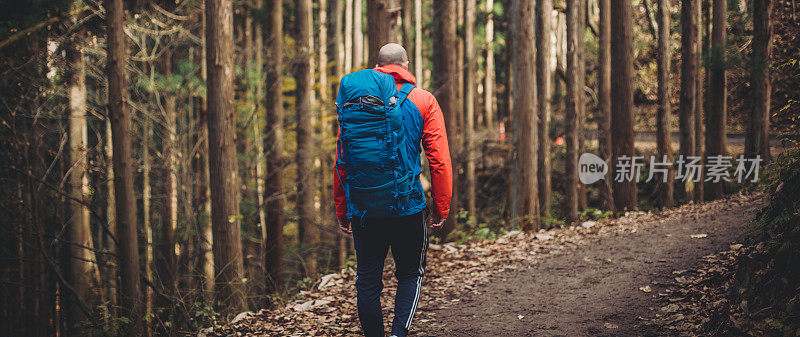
82, 261
348, 36
147, 226
206, 237
169, 149
757, 142
130, 294
341, 238
663, 132
358, 35
575, 103
408, 26
111, 220
469, 105
306, 184
488, 87
273, 144
718, 91
322, 35
604, 99
382, 27
622, 99
444, 68
525, 198
418, 71
223, 172
688, 93
704, 35
258, 111
544, 26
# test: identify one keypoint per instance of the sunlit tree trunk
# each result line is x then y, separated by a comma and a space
544, 27
663, 131
130, 293
169, 180
348, 36
147, 197
716, 117
604, 99
258, 68
358, 35
223, 172
757, 142
488, 87
83, 275
525, 197
444, 68
111, 219
575, 103
622, 99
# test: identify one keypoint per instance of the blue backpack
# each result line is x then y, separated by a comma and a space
382, 165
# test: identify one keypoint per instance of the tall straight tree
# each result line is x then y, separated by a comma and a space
418, 41
544, 25
444, 85
130, 293
408, 26
757, 142
604, 97
622, 99
663, 133
703, 40
575, 102
469, 103
716, 116
525, 197
348, 36
338, 37
169, 149
206, 256
306, 184
688, 93
488, 86
228, 261
358, 35
82, 269
274, 197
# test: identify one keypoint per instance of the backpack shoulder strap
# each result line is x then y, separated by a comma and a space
404, 91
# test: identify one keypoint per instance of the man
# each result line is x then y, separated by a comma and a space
407, 232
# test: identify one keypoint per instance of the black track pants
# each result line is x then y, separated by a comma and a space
408, 238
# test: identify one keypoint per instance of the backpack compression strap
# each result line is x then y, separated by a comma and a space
404, 91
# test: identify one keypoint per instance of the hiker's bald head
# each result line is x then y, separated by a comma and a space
393, 53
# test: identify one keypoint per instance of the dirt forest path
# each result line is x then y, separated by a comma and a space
609, 278
606, 285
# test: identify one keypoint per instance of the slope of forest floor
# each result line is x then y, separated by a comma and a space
626, 276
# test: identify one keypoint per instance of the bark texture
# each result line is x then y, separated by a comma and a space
525, 198
224, 181
622, 100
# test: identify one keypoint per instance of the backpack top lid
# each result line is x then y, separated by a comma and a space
367, 82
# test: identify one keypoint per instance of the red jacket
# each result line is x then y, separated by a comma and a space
434, 141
